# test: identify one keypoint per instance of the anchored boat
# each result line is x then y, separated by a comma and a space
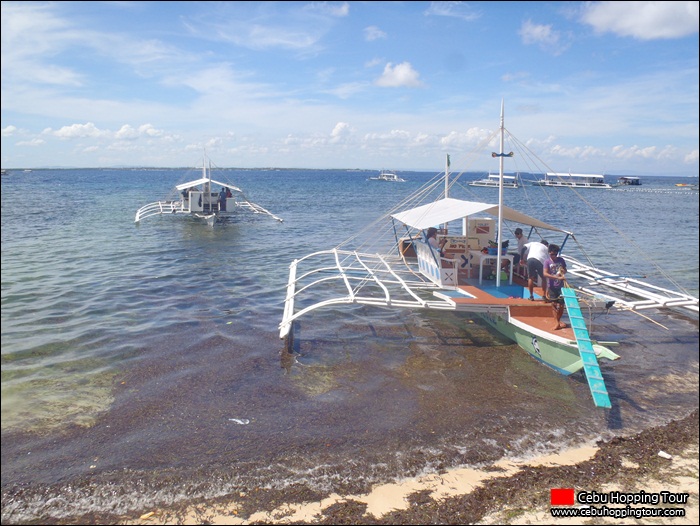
388, 176
203, 198
628, 180
494, 181
569, 180
408, 272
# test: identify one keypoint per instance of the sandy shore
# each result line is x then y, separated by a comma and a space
504, 493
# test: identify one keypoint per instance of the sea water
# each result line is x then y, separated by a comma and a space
146, 357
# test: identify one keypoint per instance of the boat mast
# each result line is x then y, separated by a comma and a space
447, 175
207, 185
447, 186
500, 205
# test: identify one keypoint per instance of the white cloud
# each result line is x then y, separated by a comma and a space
213, 143
514, 77
340, 131
576, 152
400, 75
128, 132
8, 131
345, 91
76, 131
643, 20
646, 153
293, 26
452, 9
374, 33
33, 142
268, 37
330, 8
543, 35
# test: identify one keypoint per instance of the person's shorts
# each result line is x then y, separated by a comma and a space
535, 268
554, 294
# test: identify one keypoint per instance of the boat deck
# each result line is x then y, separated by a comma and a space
537, 314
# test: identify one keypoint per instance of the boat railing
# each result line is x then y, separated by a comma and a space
158, 208
646, 295
442, 271
255, 208
350, 277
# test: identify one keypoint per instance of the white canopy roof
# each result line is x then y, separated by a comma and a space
206, 180
450, 209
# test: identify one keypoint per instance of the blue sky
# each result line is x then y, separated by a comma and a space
605, 87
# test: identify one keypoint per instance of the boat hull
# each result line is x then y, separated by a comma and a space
491, 185
571, 185
558, 353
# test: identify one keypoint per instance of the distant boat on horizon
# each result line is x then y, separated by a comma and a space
628, 180
389, 176
570, 180
493, 181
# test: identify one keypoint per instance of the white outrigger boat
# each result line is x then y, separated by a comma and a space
569, 180
388, 176
494, 181
400, 269
202, 198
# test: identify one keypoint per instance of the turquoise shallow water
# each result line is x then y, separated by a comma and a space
148, 355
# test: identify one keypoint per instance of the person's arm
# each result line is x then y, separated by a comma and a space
443, 242
545, 270
562, 266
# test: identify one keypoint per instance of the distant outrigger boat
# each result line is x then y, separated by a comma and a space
570, 180
203, 199
389, 176
409, 273
493, 181
628, 180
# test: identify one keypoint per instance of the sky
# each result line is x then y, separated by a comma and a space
590, 87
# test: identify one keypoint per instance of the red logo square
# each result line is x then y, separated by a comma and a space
562, 497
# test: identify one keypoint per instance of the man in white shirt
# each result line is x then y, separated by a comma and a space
520, 253
537, 253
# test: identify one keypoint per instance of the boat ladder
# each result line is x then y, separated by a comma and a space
585, 349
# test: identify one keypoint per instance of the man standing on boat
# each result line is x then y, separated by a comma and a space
521, 245
537, 254
222, 199
555, 271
